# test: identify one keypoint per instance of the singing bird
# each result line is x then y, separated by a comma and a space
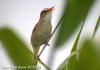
42, 29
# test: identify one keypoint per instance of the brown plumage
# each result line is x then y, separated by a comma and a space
42, 30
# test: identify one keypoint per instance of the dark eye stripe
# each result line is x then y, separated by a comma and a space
44, 11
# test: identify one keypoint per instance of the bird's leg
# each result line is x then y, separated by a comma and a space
46, 43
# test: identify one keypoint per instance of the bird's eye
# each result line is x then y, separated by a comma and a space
44, 11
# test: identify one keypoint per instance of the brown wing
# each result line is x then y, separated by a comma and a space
35, 27
34, 35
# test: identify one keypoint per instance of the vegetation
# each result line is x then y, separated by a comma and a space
85, 58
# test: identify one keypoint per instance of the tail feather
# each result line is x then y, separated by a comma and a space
35, 55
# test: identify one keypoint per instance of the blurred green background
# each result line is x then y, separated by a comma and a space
78, 22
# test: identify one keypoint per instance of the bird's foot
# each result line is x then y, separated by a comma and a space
48, 44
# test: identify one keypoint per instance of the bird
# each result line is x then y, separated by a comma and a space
42, 30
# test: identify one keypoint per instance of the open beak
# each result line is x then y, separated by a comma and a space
50, 10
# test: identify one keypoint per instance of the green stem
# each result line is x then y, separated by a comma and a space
96, 27
44, 64
64, 63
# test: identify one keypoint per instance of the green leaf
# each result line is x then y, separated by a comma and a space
73, 63
96, 27
64, 64
74, 13
16, 48
77, 39
88, 57
86, 60
74, 49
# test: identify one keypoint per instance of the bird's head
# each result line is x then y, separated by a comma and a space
46, 13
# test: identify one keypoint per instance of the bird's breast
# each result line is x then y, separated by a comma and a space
41, 34
45, 28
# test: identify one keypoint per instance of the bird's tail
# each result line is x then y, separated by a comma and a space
35, 55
